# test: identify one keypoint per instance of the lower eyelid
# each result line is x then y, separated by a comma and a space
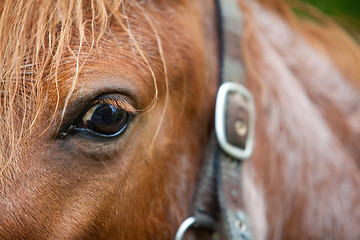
105, 137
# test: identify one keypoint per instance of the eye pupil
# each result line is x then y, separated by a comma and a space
105, 118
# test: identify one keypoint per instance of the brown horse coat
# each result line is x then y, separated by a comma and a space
158, 60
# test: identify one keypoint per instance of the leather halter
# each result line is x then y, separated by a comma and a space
219, 205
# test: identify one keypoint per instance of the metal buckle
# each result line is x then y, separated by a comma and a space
220, 124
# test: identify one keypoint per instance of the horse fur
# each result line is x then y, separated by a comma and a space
301, 183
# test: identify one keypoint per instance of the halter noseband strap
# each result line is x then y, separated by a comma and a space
219, 204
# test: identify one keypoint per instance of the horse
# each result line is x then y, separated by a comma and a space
107, 110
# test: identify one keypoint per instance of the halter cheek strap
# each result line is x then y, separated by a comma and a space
219, 205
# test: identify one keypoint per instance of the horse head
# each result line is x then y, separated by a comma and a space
107, 110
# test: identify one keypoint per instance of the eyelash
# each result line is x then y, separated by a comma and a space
117, 101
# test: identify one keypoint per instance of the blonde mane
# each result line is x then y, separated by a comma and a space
43, 42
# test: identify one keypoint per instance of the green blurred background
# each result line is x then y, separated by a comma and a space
347, 11
339, 8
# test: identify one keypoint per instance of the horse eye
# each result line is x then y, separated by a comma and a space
106, 119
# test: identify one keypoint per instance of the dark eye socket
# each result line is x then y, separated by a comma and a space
106, 118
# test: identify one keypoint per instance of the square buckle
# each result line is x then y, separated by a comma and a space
247, 103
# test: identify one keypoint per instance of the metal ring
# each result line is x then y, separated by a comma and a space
184, 227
